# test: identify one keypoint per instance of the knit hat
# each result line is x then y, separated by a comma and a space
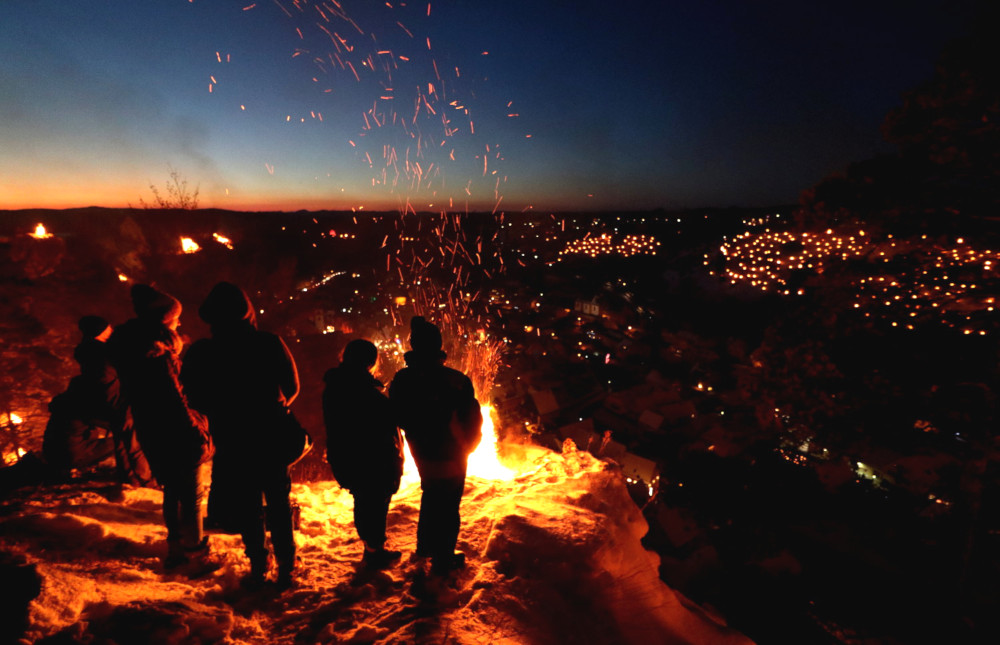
424, 336
226, 303
92, 326
154, 304
360, 353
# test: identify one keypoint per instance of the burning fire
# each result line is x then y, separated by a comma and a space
483, 463
40, 232
11, 458
223, 240
189, 246
13, 418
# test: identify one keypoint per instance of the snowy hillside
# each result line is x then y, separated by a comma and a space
553, 557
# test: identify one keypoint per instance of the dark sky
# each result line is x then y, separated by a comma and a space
282, 104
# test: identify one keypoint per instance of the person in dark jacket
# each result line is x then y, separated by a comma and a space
437, 408
145, 351
89, 421
363, 445
244, 379
95, 367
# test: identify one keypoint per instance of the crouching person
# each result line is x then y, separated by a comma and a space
244, 380
145, 351
89, 420
363, 445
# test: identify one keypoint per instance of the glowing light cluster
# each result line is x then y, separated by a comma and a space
607, 244
766, 260
910, 282
954, 285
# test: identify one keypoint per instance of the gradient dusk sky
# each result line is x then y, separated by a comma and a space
478, 104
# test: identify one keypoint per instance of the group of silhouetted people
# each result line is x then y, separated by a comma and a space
436, 407
216, 432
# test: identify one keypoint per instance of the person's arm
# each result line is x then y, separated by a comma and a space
471, 418
288, 374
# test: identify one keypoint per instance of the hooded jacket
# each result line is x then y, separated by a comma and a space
363, 444
145, 353
437, 408
242, 378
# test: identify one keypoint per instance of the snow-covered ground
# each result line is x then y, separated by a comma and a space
553, 557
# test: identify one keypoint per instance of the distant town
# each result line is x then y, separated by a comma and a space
800, 412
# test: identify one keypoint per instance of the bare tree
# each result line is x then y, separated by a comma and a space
176, 195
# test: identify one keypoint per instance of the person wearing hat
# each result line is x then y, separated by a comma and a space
145, 351
104, 394
243, 379
437, 408
363, 445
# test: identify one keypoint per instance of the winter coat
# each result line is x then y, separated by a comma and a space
173, 436
243, 379
363, 444
437, 408
78, 433
99, 377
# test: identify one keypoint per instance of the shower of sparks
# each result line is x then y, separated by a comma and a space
416, 132
416, 136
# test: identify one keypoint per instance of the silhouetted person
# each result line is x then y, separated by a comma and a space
107, 407
437, 408
145, 352
244, 380
79, 432
363, 444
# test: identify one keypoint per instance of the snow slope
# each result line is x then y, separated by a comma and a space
553, 557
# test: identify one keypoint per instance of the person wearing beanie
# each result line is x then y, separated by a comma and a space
363, 445
145, 351
437, 408
244, 380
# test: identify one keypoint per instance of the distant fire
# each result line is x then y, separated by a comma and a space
40, 232
223, 240
189, 246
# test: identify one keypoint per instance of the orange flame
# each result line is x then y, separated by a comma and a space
189, 246
40, 232
483, 463
223, 240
